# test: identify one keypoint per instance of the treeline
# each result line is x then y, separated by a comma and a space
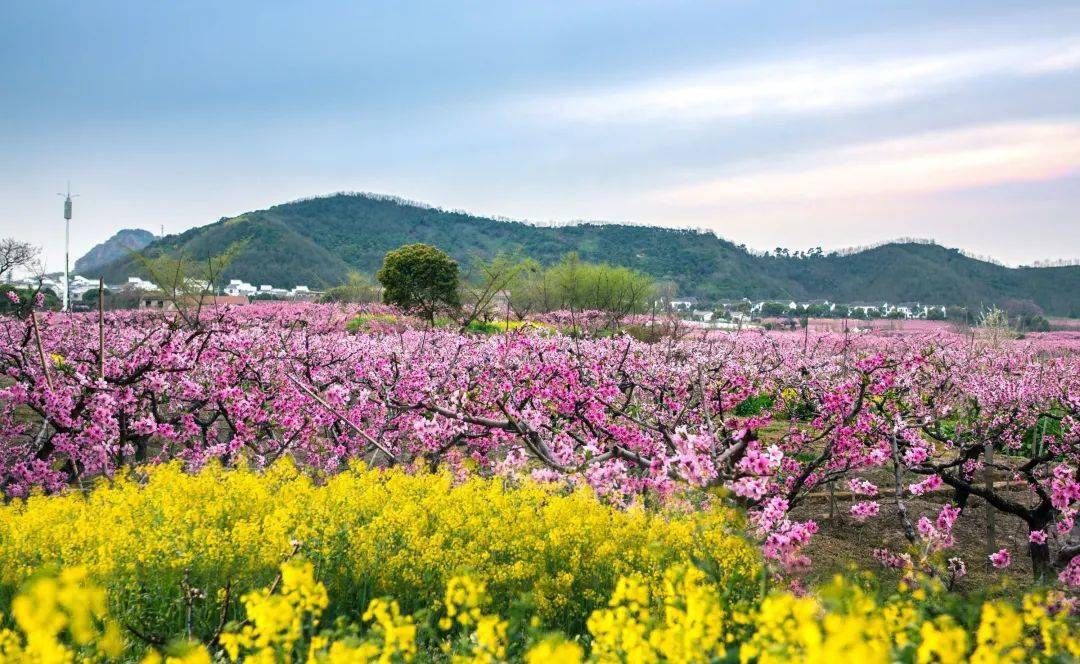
317, 242
421, 278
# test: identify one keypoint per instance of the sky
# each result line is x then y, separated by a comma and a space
795, 124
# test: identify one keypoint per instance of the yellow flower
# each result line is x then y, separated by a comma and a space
554, 649
59, 616
1000, 637
276, 620
397, 632
942, 641
184, 653
464, 600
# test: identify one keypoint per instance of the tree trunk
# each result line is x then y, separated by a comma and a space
1040, 560
988, 474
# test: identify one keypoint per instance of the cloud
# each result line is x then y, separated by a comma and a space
1064, 59
912, 166
802, 85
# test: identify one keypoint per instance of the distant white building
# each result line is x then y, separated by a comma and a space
684, 303
238, 287
80, 286
137, 283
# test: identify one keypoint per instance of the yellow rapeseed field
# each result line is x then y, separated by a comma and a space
386, 566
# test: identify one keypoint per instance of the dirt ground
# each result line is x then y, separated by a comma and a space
842, 541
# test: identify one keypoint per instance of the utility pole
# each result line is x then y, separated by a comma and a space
67, 241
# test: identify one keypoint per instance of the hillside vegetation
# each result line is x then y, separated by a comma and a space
318, 241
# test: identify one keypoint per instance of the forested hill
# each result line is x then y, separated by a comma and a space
316, 241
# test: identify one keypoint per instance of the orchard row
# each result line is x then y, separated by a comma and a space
765, 419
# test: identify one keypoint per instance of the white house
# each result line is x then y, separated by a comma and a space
240, 287
80, 285
133, 284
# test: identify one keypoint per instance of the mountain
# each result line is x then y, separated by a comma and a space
317, 241
116, 247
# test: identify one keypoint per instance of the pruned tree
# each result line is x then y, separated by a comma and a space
16, 254
188, 282
484, 281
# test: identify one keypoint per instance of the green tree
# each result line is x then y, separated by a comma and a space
774, 309
91, 296
577, 285
534, 291
420, 277
357, 289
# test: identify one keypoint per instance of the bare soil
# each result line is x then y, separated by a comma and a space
843, 541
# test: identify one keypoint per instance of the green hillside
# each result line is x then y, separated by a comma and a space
316, 241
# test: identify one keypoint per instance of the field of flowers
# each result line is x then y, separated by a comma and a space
312, 482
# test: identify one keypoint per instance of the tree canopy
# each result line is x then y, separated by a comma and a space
420, 277
578, 285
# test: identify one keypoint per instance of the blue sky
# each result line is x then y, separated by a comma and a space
794, 124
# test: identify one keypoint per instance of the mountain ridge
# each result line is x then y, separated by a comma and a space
316, 241
117, 246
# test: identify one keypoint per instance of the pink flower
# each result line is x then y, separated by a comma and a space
13, 296
916, 455
892, 560
865, 510
957, 567
929, 484
947, 517
1037, 537
1001, 559
1070, 576
862, 487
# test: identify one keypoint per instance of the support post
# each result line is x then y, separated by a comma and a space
101, 327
